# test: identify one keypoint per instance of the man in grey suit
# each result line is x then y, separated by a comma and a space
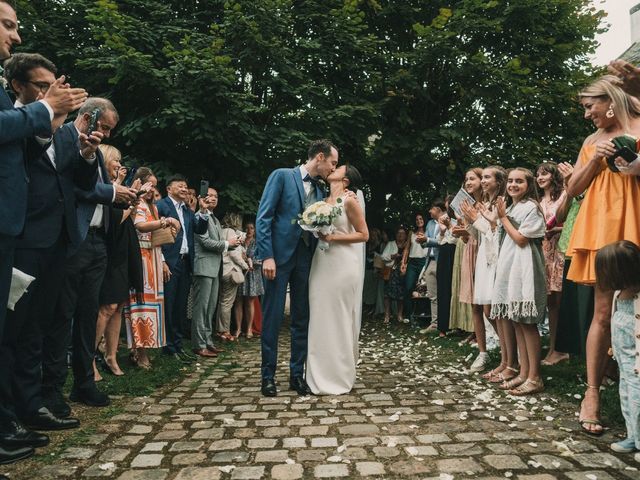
209, 248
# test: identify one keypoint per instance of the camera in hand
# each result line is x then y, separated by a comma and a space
204, 188
626, 148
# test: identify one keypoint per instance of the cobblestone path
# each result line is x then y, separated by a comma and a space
414, 413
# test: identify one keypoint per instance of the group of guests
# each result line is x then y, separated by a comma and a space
98, 243
554, 243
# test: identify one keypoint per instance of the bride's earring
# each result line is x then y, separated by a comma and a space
610, 113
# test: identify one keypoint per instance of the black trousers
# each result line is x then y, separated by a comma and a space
21, 347
76, 314
7, 246
176, 293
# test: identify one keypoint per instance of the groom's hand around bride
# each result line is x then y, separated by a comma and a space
269, 268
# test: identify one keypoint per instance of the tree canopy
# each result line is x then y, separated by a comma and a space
413, 92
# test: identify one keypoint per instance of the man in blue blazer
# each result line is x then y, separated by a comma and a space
178, 263
41, 252
286, 252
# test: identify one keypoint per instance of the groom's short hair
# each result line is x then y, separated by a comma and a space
320, 146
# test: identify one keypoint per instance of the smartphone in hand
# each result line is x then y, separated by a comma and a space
93, 121
204, 188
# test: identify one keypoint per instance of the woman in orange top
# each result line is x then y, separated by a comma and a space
610, 212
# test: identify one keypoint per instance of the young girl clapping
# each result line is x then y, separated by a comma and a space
519, 292
617, 266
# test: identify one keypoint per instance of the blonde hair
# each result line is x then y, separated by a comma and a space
624, 106
110, 154
232, 220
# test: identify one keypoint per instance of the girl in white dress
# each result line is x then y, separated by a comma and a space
335, 293
520, 291
482, 218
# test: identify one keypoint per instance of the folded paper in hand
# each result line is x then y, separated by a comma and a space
20, 281
460, 197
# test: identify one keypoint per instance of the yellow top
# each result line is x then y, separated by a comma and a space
610, 212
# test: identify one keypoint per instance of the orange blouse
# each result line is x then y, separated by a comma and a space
610, 212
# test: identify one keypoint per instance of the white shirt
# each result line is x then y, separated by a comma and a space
184, 248
306, 185
415, 248
40, 140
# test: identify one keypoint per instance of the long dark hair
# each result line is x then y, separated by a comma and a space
617, 266
353, 175
557, 183
532, 190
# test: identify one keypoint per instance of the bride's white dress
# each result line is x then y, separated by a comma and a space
335, 306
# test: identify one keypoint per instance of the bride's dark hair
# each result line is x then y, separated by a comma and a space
353, 175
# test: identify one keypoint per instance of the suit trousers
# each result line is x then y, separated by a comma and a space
205, 300
7, 247
176, 292
432, 288
228, 292
294, 273
76, 316
21, 348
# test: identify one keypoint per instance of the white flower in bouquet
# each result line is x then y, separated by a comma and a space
318, 219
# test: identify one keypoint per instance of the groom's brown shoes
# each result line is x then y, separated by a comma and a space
299, 384
269, 387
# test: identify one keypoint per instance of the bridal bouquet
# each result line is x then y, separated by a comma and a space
318, 218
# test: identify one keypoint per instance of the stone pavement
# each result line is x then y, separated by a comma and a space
414, 413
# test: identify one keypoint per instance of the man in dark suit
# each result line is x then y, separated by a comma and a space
41, 252
178, 263
85, 269
17, 130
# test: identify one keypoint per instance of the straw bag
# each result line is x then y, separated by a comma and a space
162, 236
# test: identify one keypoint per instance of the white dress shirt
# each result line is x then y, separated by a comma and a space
184, 248
306, 185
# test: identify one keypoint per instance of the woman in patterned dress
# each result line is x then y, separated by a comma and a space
252, 287
552, 195
145, 320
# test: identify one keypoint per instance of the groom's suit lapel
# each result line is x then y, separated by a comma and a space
297, 178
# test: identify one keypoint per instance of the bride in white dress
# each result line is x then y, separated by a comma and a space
335, 293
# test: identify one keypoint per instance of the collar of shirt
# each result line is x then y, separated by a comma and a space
176, 203
303, 172
18, 104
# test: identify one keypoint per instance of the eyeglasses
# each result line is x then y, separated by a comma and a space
42, 86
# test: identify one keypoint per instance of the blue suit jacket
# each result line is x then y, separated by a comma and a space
16, 126
192, 225
277, 235
51, 202
101, 193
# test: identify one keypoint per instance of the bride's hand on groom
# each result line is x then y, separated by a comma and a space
269, 268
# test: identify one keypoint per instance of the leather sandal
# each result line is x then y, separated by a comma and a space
493, 372
529, 387
591, 421
501, 377
511, 383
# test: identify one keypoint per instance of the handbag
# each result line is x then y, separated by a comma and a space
162, 236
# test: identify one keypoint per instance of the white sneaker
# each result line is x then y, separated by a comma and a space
480, 363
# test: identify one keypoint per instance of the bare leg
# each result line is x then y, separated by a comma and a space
143, 358
400, 310
249, 312
387, 309
496, 375
553, 304
598, 342
104, 314
532, 340
112, 337
510, 342
478, 327
237, 312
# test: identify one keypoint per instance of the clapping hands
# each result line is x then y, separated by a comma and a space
628, 75
501, 207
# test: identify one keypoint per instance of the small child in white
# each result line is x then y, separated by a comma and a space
617, 267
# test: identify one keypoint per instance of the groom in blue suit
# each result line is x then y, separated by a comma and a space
286, 252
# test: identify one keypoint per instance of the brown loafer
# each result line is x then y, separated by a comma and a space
213, 349
203, 352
